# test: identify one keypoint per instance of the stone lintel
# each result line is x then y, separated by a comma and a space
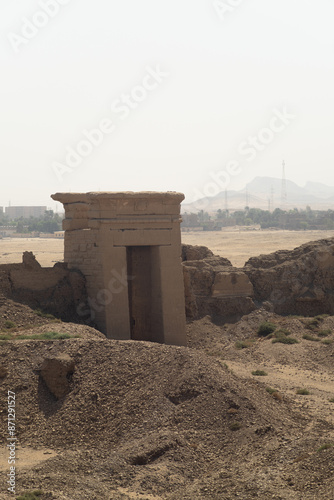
169, 197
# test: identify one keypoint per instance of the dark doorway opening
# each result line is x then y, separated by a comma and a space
140, 292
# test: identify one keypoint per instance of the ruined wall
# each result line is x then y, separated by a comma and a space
56, 290
300, 281
213, 286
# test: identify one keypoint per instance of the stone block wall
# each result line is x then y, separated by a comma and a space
104, 233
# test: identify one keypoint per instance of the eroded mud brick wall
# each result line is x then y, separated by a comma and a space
128, 246
56, 290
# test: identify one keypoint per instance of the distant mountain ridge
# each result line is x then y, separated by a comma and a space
265, 192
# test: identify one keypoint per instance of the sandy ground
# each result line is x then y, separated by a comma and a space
237, 246
27, 457
48, 251
305, 365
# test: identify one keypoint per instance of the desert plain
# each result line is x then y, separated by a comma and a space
236, 245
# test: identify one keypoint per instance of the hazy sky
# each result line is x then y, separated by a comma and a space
188, 95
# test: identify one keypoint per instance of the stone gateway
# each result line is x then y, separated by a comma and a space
128, 247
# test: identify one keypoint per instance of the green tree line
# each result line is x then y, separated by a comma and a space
294, 219
48, 223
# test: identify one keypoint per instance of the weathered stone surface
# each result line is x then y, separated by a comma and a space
56, 371
29, 261
5, 284
214, 287
195, 252
232, 284
300, 281
56, 290
229, 309
128, 247
3, 371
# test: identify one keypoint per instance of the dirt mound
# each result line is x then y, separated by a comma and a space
313, 350
125, 388
144, 420
14, 314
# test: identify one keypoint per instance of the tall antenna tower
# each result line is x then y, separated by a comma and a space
247, 198
283, 189
272, 197
226, 204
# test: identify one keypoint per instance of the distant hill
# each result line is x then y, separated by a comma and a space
260, 190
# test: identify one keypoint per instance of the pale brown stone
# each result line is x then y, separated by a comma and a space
128, 246
232, 284
55, 372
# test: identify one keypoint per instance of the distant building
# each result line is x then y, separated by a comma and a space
7, 231
59, 234
56, 234
25, 212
